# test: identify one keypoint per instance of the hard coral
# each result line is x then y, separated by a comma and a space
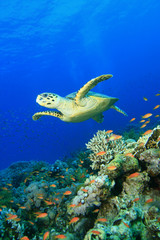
151, 157
94, 190
100, 142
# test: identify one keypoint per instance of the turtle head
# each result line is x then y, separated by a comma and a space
49, 100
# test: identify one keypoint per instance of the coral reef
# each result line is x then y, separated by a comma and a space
109, 191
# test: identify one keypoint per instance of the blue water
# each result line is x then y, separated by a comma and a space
57, 46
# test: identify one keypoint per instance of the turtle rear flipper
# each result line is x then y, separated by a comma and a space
98, 118
89, 85
119, 110
38, 115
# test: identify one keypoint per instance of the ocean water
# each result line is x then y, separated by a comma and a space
57, 46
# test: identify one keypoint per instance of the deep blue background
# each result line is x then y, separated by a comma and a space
57, 46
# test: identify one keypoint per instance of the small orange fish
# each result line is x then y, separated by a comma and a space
112, 168
142, 121
132, 119
96, 211
84, 190
114, 137
42, 215
129, 155
109, 131
72, 205
126, 224
31, 222
145, 99
46, 235
158, 139
12, 217
24, 238
61, 176
9, 184
22, 207
157, 106
73, 179
158, 94
52, 185
100, 153
49, 202
74, 220
92, 181
67, 193
4, 188
144, 125
149, 200
61, 236
141, 144
157, 116
136, 199
147, 132
136, 174
147, 121
147, 115
101, 220
95, 232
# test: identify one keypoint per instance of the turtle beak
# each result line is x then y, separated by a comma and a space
41, 100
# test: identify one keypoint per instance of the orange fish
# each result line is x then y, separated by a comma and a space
136, 199
73, 179
46, 235
42, 215
24, 238
96, 211
145, 99
129, 155
100, 153
92, 181
49, 202
114, 137
111, 168
147, 121
147, 132
132, 119
52, 185
22, 207
144, 125
72, 205
158, 139
12, 217
157, 116
157, 106
141, 144
109, 131
67, 193
136, 174
95, 232
74, 220
101, 220
61, 236
147, 115
31, 222
84, 190
158, 94
149, 200
142, 121
126, 224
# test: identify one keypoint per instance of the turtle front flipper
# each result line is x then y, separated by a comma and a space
89, 85
38, 115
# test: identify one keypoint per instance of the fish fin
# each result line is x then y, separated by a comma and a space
119, 110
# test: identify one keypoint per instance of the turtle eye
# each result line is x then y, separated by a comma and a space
45, 95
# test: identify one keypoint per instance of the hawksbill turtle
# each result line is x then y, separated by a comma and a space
78, 106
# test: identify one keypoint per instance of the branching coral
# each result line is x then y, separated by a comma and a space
101, 142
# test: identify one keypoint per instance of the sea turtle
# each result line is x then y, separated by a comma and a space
78, 106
